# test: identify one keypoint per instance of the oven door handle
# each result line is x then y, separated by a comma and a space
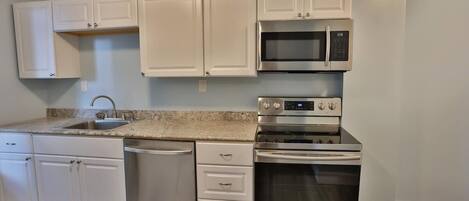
309, 158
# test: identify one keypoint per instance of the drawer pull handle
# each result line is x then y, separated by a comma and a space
28, 159
226, 157
225, 184
10, 144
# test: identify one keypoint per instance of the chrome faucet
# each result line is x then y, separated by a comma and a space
114, 111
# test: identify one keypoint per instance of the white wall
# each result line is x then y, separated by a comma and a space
371, 93
435, 94
19, 100
110, 64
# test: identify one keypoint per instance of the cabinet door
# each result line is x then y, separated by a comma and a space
225, 182
57, 178
115, 13
101, 179
280, 9
328, 9
18, 182
72, 15
34, 39
230, 37
171, 38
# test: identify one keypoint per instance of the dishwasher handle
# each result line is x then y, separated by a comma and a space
156, 151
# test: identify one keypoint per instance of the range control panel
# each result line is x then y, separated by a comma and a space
284, 106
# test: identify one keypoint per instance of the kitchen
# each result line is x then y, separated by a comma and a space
389, 99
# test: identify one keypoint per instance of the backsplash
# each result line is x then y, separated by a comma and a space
110, 66
155, 115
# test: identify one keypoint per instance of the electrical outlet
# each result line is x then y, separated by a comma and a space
202, 86
84, 86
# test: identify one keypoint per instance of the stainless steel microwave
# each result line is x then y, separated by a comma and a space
305, 46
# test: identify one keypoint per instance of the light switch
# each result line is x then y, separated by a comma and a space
202, 86
84, 86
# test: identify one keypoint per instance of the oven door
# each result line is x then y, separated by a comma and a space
306, 176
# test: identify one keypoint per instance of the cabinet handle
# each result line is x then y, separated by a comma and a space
307, 14
52, 74
95, 25
89, 25
27, 159
226, 157
300, 15
225, 184
72, 161
11, 143
207, 73
78, 162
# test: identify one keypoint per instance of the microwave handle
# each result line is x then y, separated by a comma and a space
328, 46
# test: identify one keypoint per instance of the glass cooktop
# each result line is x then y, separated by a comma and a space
329, 137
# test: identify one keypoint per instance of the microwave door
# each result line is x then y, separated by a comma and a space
294, 51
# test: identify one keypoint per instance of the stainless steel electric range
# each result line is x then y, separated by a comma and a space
302, 153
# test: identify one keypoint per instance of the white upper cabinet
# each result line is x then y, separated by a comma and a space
280, 9
230, 37
304, 9
34, 39
70, 15
41, 52
86, 15
173, 44
171, 38
115, 13
17, 177
328, 9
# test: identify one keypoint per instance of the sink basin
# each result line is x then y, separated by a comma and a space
99, 125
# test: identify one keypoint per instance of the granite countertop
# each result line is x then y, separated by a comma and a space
160, 129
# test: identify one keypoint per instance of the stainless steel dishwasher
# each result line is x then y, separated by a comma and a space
159, 170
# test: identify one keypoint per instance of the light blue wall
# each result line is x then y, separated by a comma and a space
110, 64
20, 99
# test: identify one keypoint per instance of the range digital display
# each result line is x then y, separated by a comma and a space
299, 105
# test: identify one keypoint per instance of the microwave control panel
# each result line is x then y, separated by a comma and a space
339, 45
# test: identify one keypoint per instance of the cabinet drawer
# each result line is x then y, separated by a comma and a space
225, 182
225, 153
16, 143
79, 146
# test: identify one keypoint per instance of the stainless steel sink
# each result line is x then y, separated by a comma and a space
99, 125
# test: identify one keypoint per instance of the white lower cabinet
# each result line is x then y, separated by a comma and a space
17, 177
82, 175
56, 178
80, 179
225, 182
225, 171
101, 179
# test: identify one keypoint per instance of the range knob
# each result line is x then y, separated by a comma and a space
321, 106
332, 106
277, 106
266, 105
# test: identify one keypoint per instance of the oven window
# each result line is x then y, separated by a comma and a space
293, 46
299, 182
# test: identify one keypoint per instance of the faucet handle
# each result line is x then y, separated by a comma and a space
129, 116
101, 115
